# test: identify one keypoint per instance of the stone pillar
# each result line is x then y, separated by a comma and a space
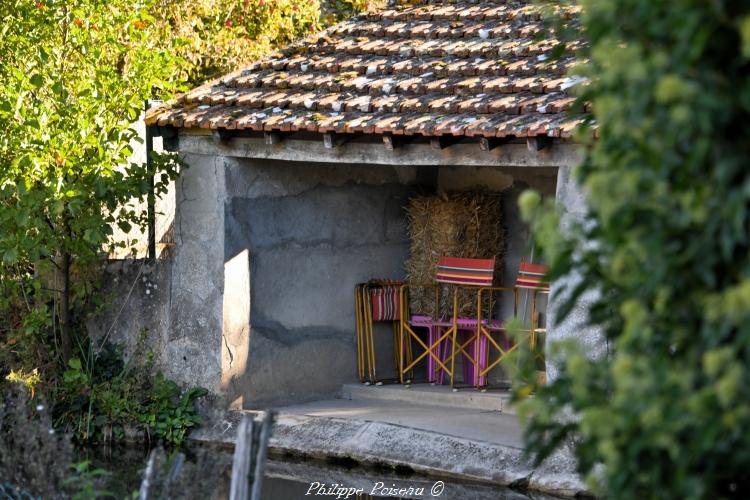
194, 339
571, 203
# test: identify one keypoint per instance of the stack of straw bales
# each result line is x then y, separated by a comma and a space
467, 224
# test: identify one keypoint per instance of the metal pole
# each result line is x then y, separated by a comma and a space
526, 296
151, 197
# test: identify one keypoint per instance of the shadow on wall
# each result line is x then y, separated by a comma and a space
305, 252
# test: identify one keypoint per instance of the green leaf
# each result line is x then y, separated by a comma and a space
745, 34
36, 80
10, 256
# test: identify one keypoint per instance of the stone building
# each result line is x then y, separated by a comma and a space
298, 169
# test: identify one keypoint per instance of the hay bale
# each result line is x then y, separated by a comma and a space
466, 224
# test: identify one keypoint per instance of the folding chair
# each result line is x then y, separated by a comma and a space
471, 274
406, 331
376, 300
530, 277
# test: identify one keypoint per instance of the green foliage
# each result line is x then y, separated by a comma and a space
214, 37
102, 396
666, 244
84, 481
74, 75
170, 413
73, 79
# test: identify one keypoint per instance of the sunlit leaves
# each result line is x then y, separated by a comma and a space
73, 80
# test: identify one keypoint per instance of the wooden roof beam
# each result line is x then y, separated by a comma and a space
271, 138
539, 142
331, 140
490, 143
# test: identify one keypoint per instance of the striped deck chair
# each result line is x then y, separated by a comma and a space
531, 278
476, 275
376, 300
472, 274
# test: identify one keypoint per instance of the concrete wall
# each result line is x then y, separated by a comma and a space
309, 232
301, 235
256, 301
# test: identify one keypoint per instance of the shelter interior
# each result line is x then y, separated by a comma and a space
312, 231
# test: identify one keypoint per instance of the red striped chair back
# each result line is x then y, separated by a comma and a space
531, 276
458, 271
385, 302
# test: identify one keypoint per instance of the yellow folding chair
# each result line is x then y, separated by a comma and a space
463, 274
376, 300
530, 277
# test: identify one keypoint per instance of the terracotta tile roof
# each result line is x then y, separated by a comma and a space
443, 68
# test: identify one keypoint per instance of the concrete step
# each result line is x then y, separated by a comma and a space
426, 394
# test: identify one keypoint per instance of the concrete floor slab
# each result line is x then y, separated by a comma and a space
469, 423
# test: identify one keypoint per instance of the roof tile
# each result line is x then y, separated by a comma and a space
454, 67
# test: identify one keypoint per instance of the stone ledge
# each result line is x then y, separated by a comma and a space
428, 453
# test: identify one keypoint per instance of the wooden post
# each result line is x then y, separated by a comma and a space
490, 143
243, 450
174, 471
260, 461
534, 144
147, 476
271, 138
151, 197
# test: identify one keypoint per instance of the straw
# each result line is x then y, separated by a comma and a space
466, 224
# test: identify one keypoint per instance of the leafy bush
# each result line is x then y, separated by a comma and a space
667, 243
102, 397
170, 413
213, 37
73, 79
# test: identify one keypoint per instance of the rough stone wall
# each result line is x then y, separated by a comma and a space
193, 351
571, 202
174, 305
